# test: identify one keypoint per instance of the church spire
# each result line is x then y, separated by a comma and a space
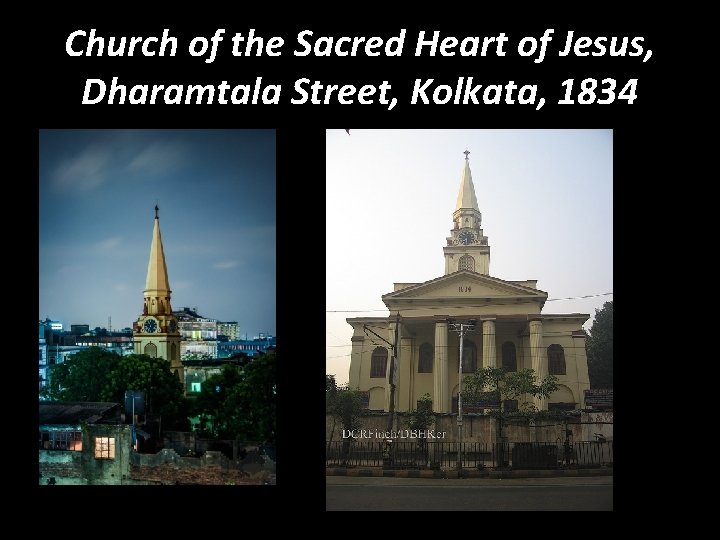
157, 287
467, 248
155, 333
466, 197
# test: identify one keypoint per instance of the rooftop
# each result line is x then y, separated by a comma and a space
75, 412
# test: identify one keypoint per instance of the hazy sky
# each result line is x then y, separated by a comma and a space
216, 193
545, 197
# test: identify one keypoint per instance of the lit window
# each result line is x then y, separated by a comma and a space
61, 440
195, 387
104, 448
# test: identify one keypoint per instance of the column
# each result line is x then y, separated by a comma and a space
538, 355
441, 401
405, 374
489, 357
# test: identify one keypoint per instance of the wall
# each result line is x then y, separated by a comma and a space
64, 466
69, 467
168, 467
597, 422
480, 428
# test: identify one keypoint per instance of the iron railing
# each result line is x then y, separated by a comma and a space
441, 455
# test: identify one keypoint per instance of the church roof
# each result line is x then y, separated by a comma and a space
466, 196
157, 279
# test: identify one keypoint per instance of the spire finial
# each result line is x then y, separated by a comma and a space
156, 211
467, 153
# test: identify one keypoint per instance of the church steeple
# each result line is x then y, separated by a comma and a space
466, 198
157, 287
467, 248
155, 333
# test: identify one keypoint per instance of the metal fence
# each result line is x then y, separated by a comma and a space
441, 455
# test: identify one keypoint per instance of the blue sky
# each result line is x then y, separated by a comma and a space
545, 197
216, 191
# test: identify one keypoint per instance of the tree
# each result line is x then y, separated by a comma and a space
600, 348
84, 376
97, 375
241, 401
330, 385
257, 394
210, 403
164, 393
420, 420
496, 384
345, 405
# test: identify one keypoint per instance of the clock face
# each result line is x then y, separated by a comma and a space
173, 327
466, 237
150, 326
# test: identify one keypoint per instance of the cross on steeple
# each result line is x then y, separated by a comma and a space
156, 211
467, 153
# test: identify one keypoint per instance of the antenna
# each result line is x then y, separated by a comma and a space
109, 324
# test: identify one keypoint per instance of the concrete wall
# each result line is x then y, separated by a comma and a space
69, 467
597, 422
479, 428
64, 466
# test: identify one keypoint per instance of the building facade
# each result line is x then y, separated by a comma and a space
250, 347
155, 332
511, 331
83, 443
230, 330
198, 334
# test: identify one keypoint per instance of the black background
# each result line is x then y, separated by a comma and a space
651, 174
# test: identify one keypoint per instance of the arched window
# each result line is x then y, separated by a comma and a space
469, 364
509, 358
466, 263
425, 364
173, 351
556, 360
151, 350
378, 363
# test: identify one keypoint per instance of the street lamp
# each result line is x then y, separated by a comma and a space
461, 329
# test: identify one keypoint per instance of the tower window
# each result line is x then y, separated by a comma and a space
151, 350
556, 360
466, 263
426, 358
378, 363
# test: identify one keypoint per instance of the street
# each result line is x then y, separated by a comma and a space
368, 493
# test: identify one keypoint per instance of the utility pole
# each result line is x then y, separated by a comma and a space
461, 329
393, 360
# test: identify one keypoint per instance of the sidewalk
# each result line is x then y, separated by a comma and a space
467, 473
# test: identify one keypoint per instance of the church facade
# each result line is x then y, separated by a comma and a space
155, 332
510, 328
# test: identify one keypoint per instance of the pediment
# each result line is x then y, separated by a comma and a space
466, 284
